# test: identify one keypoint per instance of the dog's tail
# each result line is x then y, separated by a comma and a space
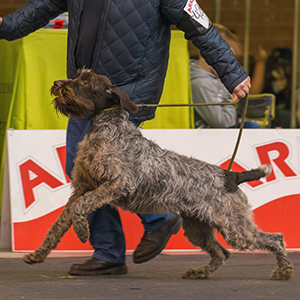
233, 179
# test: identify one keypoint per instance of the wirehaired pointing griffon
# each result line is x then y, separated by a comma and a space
116, 165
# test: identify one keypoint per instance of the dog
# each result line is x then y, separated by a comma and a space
116, 165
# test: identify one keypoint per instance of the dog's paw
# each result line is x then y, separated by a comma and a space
82, 231
282, 273
196, 273
33, 258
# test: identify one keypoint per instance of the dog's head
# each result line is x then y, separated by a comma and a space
88, 93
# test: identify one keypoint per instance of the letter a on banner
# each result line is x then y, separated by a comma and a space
32, 175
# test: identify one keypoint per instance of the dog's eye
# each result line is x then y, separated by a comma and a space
84, 82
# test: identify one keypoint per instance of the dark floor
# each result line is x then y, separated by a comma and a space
245, 276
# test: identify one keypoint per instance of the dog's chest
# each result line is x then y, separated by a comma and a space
90, 159
99, 159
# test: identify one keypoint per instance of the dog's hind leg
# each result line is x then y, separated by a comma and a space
245, 235
274, 243
58, 229
202, 235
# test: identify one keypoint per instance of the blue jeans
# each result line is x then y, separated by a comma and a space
107, 236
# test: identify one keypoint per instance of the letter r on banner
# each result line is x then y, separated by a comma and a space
280, 161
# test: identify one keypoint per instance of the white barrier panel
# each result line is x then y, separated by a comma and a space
39, 187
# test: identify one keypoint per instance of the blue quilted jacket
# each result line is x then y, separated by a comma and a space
133, 42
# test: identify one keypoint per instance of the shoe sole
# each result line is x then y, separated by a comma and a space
173, 230
113, 271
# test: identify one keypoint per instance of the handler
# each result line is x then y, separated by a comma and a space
127, 41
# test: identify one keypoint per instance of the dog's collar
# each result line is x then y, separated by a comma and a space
111, 108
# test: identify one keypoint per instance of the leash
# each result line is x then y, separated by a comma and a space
240, 134
211, 104
186, 104
145, 106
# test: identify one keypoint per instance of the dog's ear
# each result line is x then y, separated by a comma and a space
122, 99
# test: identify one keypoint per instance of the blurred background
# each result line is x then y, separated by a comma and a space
272, 25
271, 21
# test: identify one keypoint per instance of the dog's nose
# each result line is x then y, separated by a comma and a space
56, 83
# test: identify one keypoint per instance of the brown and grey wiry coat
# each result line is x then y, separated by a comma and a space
116, 165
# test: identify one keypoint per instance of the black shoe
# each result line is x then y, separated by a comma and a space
154, 241
94, 266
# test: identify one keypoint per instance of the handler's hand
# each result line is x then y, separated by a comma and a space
242, 89
0, 21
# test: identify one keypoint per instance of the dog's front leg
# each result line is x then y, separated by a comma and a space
87, 203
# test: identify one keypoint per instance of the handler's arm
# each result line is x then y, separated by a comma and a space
28, 18
189, 17
204, 91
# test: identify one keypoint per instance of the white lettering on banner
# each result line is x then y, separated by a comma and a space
33, 174
42, 176
193, 9
39, 187
39, 184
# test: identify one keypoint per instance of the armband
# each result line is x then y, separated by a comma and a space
194, 20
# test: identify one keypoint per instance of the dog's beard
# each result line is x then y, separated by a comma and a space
68, 104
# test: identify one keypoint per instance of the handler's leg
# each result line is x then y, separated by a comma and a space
106, 233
